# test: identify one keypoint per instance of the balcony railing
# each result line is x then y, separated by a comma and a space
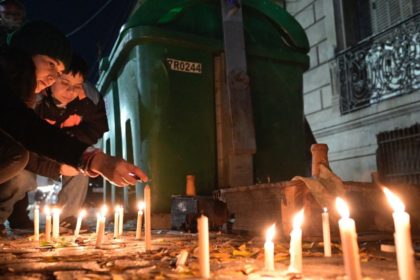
380, 67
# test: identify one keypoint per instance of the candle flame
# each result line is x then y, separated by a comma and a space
117, 209
98, 215
325, 209
47, 210
342, 208
141, 205
270, 233
82, 213
36, 207
104, 209
298, 220
395, 202
56, 211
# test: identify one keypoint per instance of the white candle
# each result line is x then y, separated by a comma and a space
269, 249
402, 237
101, 232
349, 241
121, 222
47, 224
36, 223
56, 222
147, 219
116, 221
79, 222
139, 220
101, 228
98, 217
326, 233
296, 244
203, 246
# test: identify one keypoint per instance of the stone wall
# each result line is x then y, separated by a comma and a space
352, 137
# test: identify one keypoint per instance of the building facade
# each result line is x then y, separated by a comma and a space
361, 93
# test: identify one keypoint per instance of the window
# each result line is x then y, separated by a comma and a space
398, 155
361, 19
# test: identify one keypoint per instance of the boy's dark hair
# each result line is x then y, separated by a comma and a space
78, 66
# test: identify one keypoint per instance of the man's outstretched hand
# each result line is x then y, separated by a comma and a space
116, 170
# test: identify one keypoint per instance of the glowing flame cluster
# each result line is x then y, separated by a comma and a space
270, 233
395, 202
298, 220
82, 213
342, 208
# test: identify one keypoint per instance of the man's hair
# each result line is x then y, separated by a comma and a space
78, 66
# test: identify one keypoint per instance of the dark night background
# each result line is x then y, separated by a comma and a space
100, 33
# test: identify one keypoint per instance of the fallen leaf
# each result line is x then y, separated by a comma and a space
307, 245
249, 268
242, 247
220, 255
245, 254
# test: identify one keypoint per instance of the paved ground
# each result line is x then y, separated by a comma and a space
232, 257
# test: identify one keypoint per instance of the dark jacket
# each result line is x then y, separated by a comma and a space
83, 118
35, 134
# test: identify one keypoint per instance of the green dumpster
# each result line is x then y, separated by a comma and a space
164, 69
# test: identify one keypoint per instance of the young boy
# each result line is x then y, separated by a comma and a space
76, 107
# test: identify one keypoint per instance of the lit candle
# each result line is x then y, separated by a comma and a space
56, 222
79, 222
326, 233
121, 222
296, 244
147, 219
98, 217
269, 249
47, 224
402, 237
101, 228
36, 223
139, 220
203, 246
349, 241
116, 221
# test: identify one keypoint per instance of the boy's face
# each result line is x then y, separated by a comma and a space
67, 87
47, 71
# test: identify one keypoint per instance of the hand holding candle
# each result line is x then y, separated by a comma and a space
79, 222
349, 241
47, 224
139, 220
326, 233
269, 249
296, 244
402, 237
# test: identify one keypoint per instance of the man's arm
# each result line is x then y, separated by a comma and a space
43, 166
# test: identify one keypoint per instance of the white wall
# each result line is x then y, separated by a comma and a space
352, 137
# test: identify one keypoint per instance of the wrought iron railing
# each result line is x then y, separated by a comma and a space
380, 67
398, 155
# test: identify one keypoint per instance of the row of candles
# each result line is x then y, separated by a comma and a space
100, 222
348, 235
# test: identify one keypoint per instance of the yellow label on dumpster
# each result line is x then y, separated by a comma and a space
184, 66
